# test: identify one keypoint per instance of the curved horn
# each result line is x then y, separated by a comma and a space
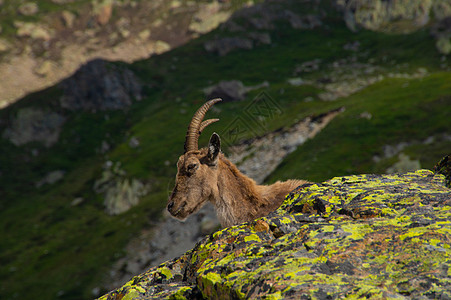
192, 135
206, 123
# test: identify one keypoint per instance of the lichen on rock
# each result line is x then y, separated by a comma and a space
372, 236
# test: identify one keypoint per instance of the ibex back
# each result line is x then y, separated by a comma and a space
207, 175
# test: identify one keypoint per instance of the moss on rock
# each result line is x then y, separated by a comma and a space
372, 236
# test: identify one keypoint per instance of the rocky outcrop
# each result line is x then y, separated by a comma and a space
34, 125
392, 15
231, 90
50, 178
65, 38
168, 238
265, 15
226, 45
372, 236
250, 25
444, 167
120, 193
442, 32
397, 16
208, 17
96, 86
99, 85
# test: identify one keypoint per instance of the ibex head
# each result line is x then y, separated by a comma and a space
197, 172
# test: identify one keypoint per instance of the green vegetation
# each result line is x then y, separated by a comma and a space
54, 249
400, 113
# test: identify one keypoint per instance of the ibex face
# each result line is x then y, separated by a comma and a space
196, 180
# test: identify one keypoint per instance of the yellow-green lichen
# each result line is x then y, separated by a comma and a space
361, 236
166, 272
252, 237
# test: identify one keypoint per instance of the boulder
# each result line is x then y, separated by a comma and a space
99, 85
404, 164
68, 18
34, 125
33, 30
227, 90
5, 46
28, 9
225, 45
208, 17
444, 167
231, 90
44, 69
51, 178
103, 10
392, 15
63, 1
361, 236
119, 192
442, 32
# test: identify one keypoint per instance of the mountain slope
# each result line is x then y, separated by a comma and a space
59, 241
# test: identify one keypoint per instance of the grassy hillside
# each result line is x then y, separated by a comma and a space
53, 248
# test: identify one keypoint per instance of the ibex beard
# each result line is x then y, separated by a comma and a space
207, 175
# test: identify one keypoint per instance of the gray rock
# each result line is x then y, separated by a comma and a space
168, 239
233, 90
302, 22
399, 16
352, 46
35, 31
442, 32
32, 124
405, 164
120, 193
296, 81
77, 201
28, 9
444, 45
51, 178
63, 1
260, 37
134, 142
308, 66
226, 45
208, 17
68, 18
5, 46
99, 85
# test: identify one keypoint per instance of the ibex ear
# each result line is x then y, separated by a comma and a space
214, 147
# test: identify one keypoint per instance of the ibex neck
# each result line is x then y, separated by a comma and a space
239, 198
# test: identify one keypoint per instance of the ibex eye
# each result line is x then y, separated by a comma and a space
192, 167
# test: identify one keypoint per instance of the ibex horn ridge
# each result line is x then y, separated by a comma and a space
196, 125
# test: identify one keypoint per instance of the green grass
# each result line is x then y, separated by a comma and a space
399, 114
50, 247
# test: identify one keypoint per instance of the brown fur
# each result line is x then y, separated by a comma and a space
207, 175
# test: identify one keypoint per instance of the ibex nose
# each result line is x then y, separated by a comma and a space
170, 205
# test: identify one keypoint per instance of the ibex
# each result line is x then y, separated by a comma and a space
207, 175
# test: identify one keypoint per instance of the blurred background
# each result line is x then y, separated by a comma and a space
96, 96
